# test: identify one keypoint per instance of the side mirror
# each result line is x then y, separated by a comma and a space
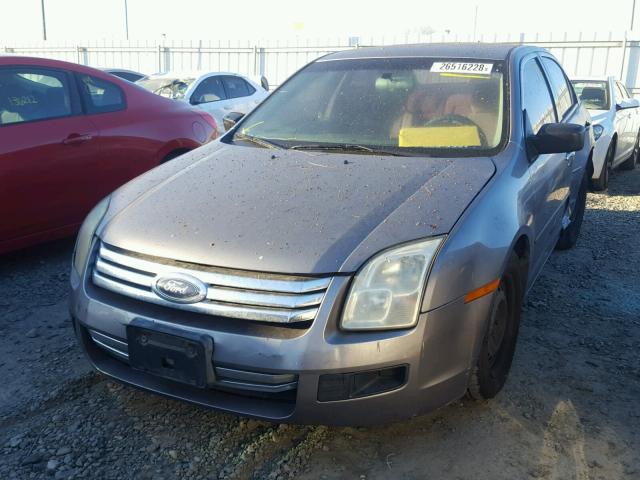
229, 120
558, 138
627, 103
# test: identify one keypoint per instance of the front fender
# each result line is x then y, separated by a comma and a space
478, 247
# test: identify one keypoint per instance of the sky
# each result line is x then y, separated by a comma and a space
21, 20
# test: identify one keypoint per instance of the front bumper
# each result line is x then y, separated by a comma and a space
438, 354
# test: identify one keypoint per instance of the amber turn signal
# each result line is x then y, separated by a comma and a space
482, 291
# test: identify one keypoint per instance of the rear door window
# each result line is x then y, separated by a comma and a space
562, 89
100, 96
536, 98
209, 90
28, 94
236, 87
130, 76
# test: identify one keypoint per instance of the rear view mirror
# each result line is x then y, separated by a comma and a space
627, 103
229, 121
558, 138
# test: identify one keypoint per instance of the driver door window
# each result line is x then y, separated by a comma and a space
209, 90
236, 87
536, 99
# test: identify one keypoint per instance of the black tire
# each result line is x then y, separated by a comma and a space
630, 163
569, 235
602, 182
499, 343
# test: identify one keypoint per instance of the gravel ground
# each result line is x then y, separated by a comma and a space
570, 409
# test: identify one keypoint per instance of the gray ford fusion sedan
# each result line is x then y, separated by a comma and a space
355, 250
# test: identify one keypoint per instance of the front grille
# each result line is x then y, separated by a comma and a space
226, 377
230, 293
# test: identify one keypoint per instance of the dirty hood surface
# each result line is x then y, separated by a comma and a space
290, 211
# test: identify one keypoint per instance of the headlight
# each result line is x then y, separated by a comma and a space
387, 291
597, 131
88, 228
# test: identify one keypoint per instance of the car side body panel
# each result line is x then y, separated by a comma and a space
50, 184
495, 225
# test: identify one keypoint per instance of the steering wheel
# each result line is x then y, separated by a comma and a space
454, 120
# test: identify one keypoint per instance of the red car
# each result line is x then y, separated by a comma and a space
69, 135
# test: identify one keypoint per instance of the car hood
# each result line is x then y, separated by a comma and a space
289, 211
598, 116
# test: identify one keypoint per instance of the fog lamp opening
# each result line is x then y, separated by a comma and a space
344, 386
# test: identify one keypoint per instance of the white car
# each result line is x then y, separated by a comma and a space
616, 126
217, 93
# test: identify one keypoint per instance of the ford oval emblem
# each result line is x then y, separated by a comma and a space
180, 288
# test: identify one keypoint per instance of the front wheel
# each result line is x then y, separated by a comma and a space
572, 219
602, 182
499, 343
630, 163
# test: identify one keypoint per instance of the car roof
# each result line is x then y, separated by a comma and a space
192, 74
489, 51
116, 69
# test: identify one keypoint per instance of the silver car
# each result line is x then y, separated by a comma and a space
356, 250
616, 126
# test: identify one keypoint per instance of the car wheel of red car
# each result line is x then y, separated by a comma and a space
172, 155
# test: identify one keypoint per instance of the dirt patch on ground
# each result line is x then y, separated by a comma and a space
570, 409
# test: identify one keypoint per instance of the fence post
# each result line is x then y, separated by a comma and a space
624, 56
167, 58
200, 54
159, 58
82, 55
255, 60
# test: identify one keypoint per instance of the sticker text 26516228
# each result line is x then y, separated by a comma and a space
462, 67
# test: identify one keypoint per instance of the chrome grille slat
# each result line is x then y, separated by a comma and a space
280, 300
116, 343
256, 298
117, 347
124, 274
215, 278
225, 377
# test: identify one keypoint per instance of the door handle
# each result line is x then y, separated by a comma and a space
76, 138
227, 108
569, 157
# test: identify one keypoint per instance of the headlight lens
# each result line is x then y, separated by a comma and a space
88, 228
387, 292
597, 131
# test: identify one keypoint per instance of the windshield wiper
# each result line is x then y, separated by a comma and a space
258, 141
347, 147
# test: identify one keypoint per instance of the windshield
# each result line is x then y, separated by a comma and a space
402, 105
593, 94
170, 87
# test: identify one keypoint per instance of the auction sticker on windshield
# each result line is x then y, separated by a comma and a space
462, 67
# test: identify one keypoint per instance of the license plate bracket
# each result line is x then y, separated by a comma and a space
171, 353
